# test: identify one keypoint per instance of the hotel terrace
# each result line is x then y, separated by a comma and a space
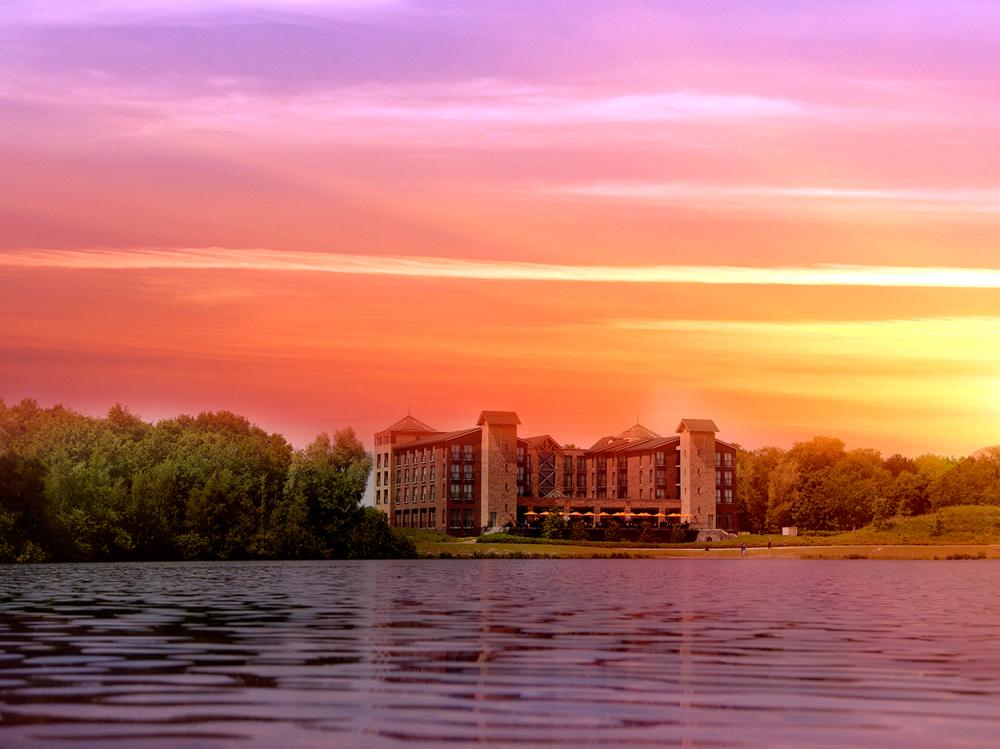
487, 478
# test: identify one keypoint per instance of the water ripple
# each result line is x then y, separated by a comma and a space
518, 653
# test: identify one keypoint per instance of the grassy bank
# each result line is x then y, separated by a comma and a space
965, 532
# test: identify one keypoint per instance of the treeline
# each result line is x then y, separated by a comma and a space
819, 485
77, 488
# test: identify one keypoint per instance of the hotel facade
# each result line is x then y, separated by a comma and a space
487, 477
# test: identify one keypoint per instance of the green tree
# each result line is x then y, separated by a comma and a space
753, 474
326, 480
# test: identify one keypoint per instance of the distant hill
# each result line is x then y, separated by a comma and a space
987, 452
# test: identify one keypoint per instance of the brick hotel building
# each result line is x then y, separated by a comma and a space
485, 477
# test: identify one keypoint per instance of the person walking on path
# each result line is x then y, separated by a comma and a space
743, 550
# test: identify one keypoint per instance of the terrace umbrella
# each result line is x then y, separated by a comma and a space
621, 514
544, 514
642, 515
589, 514
575, 514
531, 512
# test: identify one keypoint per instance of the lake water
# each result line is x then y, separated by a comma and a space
516, 653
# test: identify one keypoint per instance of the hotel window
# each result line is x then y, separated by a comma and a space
398, 493
399, 475
729, 477
468, 452
378, 460
456, 491
432, 473
661, 459
467, 473
455, 519
718, 475
406, 475
432, 518
467, 491
567, 463
406, 495
455, 452
718, 459
423, 473
661, 493
468, 518
727, 495
423, 455
718, 495
728, 459
423, 494
454, 471
581, 463
432, 492
378, 479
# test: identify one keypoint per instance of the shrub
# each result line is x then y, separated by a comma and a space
554, 525
613, 531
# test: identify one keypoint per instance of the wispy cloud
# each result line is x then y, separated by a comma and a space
228, 104
215, 258
97, 12
953, 199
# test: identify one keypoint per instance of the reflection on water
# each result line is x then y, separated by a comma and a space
572, 653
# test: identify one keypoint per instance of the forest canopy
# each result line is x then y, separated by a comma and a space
819, 485
214, 486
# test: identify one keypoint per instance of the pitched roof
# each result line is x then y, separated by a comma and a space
498, 417
536, 441
697, 425
617, 445
436, 438
638, 432
409, 424
604, 442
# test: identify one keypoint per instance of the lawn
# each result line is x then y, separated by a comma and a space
954, 533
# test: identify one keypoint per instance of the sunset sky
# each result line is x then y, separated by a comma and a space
781, 215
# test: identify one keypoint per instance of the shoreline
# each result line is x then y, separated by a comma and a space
915, 552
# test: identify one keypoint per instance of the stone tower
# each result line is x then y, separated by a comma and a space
498, 487
697, 467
